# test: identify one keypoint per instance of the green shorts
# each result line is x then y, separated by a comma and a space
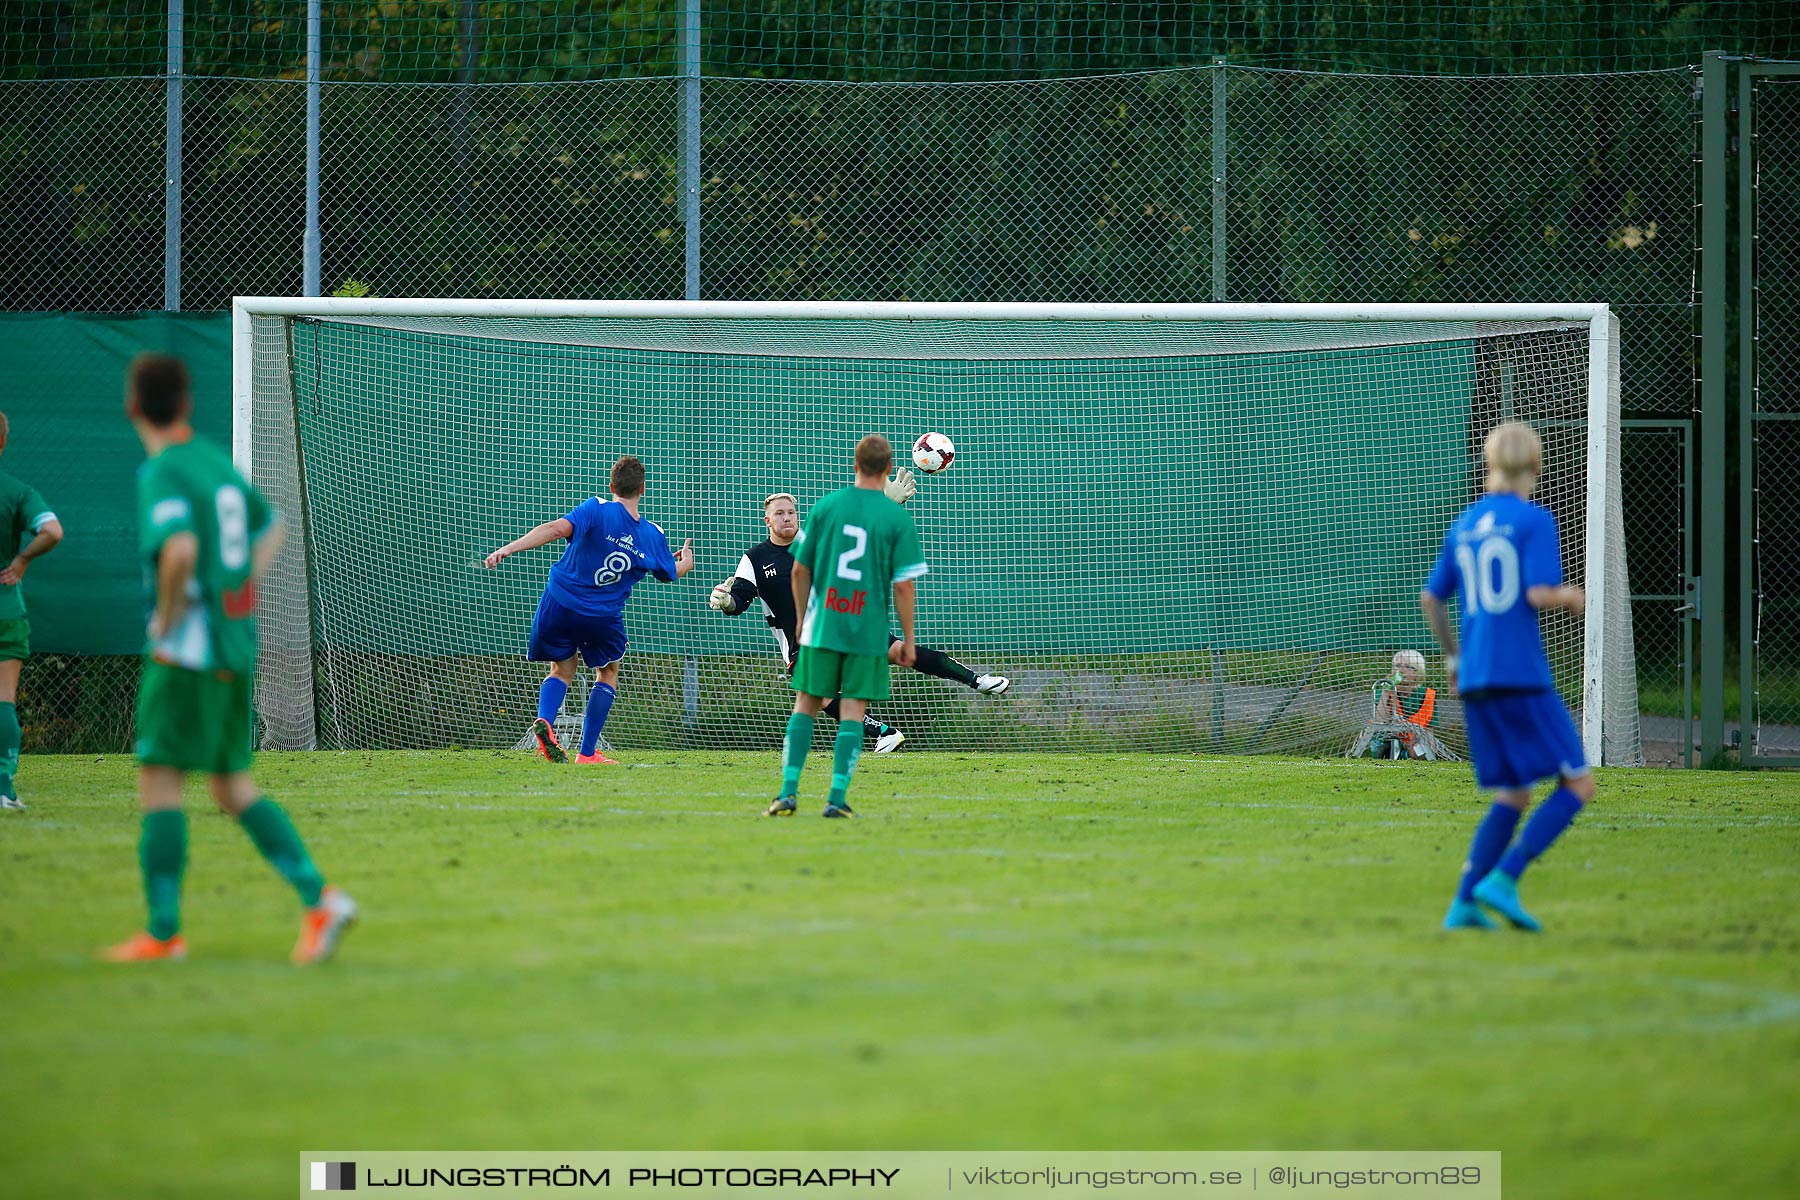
15, 639
833, 674
193, 720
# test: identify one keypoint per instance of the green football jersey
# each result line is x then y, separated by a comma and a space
22, 513
858, 544
193, 488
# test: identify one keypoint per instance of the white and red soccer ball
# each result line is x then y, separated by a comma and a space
933, 452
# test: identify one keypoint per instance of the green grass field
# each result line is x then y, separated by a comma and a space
1006, 952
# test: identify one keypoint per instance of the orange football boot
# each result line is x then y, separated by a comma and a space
548, 746
323, 927
141, 947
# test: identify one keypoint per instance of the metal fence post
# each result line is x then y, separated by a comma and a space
1747, 406
1218, 180
468, 67
314, 37
689, 66
172, 162
1713, 134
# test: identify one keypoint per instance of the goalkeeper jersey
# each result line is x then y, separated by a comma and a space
766, 570
858, 544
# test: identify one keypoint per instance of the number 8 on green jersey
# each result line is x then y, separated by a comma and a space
194, 698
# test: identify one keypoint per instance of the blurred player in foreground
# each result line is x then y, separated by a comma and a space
31, 531
1502, 556
857, 546
582, 609
766, 571
206, 537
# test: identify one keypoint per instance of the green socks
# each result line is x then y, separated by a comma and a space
9, 748
275, 836
799, 741
162, 852
845, 751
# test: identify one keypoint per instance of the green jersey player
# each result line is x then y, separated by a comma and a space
30, 530
857, 545
206, 537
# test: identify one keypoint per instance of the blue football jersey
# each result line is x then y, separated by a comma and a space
1501, 547
609, 552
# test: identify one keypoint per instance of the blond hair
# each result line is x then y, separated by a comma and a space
1409, 658
772, 497
1515, 458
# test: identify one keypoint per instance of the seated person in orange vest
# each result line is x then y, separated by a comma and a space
1403, 699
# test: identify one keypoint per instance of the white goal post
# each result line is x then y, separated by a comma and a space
454, 344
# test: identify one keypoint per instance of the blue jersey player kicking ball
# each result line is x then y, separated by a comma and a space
582, 610
1501, 557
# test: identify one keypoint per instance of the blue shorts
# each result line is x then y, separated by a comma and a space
558, 631
1518, 738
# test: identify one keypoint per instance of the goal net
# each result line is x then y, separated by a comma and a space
1188, 528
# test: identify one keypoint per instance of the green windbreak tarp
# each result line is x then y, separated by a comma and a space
1287, 499
64, 398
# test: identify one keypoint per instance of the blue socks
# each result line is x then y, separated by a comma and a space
1489, 850
1492, 837
1546, 824
550, 698
600, 702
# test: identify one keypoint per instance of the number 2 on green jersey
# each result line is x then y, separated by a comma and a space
844, 569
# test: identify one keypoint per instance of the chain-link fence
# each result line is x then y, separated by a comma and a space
502, 190
510, 41
1073, 190
1656, 474
1209, 183
243, 208
1356, 187
81, 194
1773, 455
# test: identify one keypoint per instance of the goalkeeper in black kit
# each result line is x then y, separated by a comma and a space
765, 572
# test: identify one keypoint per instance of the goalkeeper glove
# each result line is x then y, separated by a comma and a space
901, 487
721, 597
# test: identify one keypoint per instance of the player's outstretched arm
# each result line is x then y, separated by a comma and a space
733, 596
684, 558
1544, 596
49, 534
544, 534
1437, 615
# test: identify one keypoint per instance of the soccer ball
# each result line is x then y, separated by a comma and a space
933, 452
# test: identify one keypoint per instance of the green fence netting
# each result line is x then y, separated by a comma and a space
69, 439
